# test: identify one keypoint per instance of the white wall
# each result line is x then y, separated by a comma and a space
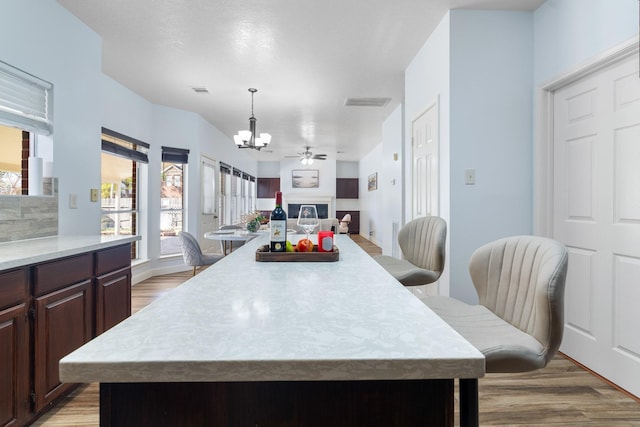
371, 202
43, 39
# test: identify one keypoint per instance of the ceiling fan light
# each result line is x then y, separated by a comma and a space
309, 161
303, 160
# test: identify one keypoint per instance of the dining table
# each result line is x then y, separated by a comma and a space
230, 236
297, 343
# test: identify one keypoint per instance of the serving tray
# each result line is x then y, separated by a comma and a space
263, 254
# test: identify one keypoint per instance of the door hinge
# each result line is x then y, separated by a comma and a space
32, 397
32, 313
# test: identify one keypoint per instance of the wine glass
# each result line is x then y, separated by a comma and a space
308, 218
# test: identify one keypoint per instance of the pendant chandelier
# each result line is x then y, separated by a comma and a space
248, 138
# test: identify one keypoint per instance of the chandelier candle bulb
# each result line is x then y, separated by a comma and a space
325, 241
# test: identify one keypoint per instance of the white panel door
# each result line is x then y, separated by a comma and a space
425, 163
597, 215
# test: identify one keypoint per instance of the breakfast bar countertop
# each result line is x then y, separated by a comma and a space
242, 320
25, 252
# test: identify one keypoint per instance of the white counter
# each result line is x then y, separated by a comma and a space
242, 320
26, 252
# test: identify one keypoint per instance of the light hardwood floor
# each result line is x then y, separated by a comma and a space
563, 393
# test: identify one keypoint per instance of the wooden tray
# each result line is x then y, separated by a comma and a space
264, 255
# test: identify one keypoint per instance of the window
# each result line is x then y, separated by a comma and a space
172, 215
26, 109
120, 159
224, 201
208, 187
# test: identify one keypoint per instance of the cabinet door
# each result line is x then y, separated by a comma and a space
14, 369
63, 322
347, 188
113, 302
267, 187
14, 348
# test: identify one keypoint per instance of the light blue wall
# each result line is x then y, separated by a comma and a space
372, 203
490, 131
569, 32
390, 180
427, 82
44, 39
41, 38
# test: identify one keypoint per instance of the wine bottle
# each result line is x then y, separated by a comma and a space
278, 226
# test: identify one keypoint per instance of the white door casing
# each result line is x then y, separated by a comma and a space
596, 213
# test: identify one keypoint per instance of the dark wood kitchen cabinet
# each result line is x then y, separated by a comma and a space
14, 348
47, 310
347, 188
267, 187
113, 287
63, 320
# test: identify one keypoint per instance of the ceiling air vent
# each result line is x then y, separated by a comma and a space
200, 90
366, 102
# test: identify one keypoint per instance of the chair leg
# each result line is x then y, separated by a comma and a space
194, 270
469, 402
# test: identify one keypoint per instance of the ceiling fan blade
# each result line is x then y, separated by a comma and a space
291, 157
320, 157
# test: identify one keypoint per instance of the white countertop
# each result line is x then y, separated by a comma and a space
25, 252
242, 320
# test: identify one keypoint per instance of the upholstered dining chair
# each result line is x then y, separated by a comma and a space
192, 254
343, 224
519, 320
422, 242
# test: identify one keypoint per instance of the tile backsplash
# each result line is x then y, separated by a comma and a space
28, 217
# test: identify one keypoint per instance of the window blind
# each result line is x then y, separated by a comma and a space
175, 155
124, 146
25, 101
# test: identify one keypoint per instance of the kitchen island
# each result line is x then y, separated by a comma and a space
291, 344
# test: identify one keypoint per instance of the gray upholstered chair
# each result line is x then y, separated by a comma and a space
422, 242
192, 254
519, 320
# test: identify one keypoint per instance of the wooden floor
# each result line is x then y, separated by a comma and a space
561, 394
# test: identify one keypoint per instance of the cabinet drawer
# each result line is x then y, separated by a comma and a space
112, 259
61, 273
13, 288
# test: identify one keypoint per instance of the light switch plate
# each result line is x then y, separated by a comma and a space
73, 201
94, 194
470, 176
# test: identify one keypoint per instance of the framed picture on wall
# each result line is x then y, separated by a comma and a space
373, 182
305, 178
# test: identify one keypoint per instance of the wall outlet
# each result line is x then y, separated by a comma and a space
73, 201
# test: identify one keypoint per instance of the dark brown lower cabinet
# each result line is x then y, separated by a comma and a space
63, 322
14, 349
47, 310
113, 301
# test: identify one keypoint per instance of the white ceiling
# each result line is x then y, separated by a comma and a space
305, 57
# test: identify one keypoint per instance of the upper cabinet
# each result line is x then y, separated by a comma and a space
347, 188
267, 187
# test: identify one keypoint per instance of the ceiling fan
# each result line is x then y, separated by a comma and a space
307, 157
